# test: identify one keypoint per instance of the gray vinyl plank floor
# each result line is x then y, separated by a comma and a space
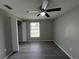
39, 50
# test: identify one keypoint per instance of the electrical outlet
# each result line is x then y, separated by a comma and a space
70, 49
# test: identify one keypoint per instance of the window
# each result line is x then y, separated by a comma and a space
34, 29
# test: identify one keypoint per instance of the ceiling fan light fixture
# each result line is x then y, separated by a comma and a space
43, 13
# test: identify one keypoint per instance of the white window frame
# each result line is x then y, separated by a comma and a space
34, 30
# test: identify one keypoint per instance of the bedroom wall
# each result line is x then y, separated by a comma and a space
5, 34
46, 31
66, 32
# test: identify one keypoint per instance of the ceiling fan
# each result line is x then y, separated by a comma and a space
43, 11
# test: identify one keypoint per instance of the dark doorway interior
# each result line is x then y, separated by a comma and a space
20, 31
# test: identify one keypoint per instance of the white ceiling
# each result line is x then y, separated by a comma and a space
20, 7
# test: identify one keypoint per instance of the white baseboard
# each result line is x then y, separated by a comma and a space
40, 40
8, 55
63, 49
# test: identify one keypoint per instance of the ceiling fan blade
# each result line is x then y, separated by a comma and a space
38, 15
7, 6
40, 7
54, 9
44, 4
47, 15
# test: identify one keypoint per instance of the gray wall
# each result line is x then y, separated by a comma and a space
5, 34
2, 44
66, 32
46, 31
